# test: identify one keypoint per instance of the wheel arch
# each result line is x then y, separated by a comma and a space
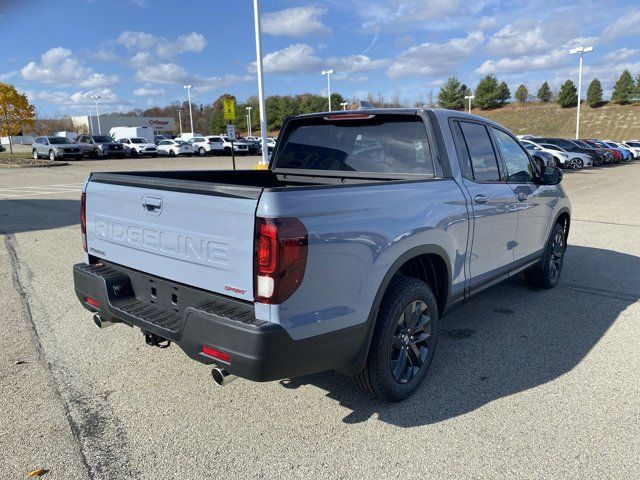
564, 218
426, 262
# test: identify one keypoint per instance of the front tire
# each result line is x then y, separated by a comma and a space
579, 163
403, 342
202, 152
547, 273
172, 153
52, 155
35, 154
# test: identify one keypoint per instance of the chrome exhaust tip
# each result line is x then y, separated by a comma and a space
101, 322
221, 377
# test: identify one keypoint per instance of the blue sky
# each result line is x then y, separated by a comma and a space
139, 53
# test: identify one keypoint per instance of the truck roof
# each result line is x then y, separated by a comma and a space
442, 114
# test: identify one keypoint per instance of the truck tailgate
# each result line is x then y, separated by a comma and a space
203, 239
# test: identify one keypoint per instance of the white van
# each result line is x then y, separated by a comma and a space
118, 133
71, 136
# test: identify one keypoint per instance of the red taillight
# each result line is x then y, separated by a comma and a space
280, 258
92, 302
83, 220
349, 116
217, 354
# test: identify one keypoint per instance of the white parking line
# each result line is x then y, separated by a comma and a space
37, 190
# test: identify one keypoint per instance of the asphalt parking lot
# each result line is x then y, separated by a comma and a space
525, 383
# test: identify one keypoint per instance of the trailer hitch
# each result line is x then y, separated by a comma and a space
154, 340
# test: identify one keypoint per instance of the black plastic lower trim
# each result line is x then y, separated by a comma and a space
258, 350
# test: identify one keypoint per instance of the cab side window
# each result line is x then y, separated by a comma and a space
479, 160
519, 168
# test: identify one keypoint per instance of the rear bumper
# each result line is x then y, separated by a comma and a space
258, 350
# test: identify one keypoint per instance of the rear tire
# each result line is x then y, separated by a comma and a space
202, 152
403, 343
172, 153
547, 273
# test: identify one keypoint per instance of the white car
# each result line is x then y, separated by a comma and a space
578, 160
561, 158
635, 151
137, 146
174, 148
204, 146
239, 147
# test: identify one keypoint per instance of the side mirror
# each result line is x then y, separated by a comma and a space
551, 176
537, 148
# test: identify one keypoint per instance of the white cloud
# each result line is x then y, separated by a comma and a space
7, 76
621, 54
303, 58
545, 61
148, 92
295, 22
78, 99
433, 59
487, 23
623, 27
58, 67
519, 38
162, 47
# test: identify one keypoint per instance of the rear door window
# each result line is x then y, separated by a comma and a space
482, 160
394, 144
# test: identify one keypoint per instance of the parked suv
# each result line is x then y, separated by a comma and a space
335, 257
599, 156
205, 145
137, 146
55, 148
100, 146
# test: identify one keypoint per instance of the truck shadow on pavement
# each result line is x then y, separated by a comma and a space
506, 340
30, 214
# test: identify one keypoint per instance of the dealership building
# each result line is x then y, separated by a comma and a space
89, 123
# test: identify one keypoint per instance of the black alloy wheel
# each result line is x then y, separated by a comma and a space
411, 342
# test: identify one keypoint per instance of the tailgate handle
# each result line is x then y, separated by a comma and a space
152, 205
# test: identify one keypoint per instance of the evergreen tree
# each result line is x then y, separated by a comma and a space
568, 95
594, 93
487, 93
522, 94
503, 93
638, 86
544, 93
452, 94
624, 89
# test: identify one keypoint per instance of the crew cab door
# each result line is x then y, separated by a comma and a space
535, 202
493, 204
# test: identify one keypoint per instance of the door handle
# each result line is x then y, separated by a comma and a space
522, 196
480, 198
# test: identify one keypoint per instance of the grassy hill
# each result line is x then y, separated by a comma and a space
618, 122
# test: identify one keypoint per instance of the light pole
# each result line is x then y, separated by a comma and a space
469, 97
263, 114
344, 105
328, 73
96, 98
90, 123
249, 132
188, 87
581, 51
180, 120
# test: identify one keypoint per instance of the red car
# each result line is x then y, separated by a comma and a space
617, 156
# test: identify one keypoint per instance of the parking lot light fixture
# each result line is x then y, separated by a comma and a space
188, 88
344, 105
261, 103
328, 73
249, 132
96, 98
581, 51
469, 97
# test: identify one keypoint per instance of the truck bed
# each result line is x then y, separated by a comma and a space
234, 183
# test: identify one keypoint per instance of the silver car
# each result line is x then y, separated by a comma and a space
101, 146
55, 148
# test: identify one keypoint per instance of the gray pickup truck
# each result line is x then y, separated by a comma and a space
368, 227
